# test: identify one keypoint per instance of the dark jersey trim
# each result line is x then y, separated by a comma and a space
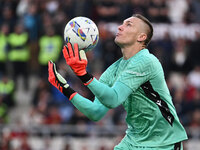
87, 78
177, 146
155, 97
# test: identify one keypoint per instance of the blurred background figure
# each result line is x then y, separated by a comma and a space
158, 11
107, 10
4, 31
7, 90
50, 45
19, 53
31, 20
3, 111
8, 14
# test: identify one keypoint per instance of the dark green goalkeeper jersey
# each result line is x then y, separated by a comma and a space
151, 115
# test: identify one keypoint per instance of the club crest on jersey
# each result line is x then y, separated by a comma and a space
76, 28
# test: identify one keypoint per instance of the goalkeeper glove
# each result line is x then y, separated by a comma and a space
59, 82
77, 60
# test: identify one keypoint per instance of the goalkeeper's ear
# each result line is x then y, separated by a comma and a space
82, 55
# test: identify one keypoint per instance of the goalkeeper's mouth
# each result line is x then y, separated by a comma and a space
118, 34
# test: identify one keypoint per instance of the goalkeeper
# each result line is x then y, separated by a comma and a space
136, 81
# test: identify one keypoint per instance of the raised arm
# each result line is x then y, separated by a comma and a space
93, 110
110, 97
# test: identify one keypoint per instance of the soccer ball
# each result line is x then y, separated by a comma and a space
83, 31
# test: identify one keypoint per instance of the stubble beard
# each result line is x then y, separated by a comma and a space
118, 43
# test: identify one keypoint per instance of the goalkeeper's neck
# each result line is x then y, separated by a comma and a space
130, 50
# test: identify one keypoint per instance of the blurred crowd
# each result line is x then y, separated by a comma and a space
31, 34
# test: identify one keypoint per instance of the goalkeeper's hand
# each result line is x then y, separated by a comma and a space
59, 82
75, 59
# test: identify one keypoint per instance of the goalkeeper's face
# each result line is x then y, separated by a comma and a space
130, 32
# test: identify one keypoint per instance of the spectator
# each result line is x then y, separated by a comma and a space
195, 118
7, 89
24, 143
194, 52
53, 116
19, 53
5, 142
40, 87
81, 123
50, 46
107, 10
51, 6
4, 31
83, 8
125, 9
139, 6
158, 11
182, 106
163, 49
177, 15
194, 77
110, 52
31, 21
34, 117
195, 5
44, 101
3, 112
68, 7
180, 62
28, 11
195, 102
8, 16
60, 19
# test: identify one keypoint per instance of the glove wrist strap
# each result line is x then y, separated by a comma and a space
86, 79
69, 92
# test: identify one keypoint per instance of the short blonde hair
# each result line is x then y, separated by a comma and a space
148, 23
